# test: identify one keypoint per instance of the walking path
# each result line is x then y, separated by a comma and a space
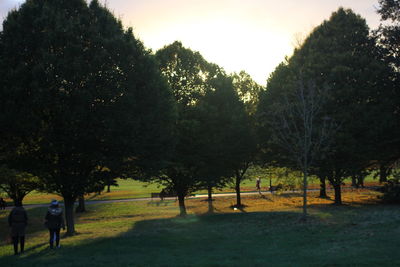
90, 202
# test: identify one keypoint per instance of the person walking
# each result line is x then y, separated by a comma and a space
54, 221
18, 220
2, 204
258, 184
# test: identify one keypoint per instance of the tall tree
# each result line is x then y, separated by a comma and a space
246, 144
340, 55
225, 134
188, 75
387, 37
299, 126
82, 93
352, 71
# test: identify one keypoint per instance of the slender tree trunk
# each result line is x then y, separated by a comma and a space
338, 193
383, 173
182, 207
237, 189
209, 189
354, 181
305, 193
360, 181
108, 188
69, 215
322, 190
81, 204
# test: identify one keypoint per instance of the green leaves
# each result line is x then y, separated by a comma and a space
83, 91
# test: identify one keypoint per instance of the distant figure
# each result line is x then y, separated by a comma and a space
54, 221
17, 220
162, 194
2, 204
258, 184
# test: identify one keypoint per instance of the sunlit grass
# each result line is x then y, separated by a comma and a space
266, 231
129, 188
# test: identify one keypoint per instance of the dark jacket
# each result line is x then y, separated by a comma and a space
54, 218
18, 219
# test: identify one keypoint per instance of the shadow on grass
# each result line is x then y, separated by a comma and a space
231, 239
192, 240
158, 203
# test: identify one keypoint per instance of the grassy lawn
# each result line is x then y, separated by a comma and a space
134, 189
267, 232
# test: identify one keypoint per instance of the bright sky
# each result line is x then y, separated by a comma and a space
250, 35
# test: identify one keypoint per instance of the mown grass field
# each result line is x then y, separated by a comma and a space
267, 232
135, 189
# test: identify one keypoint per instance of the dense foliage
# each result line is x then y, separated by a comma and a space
82, 95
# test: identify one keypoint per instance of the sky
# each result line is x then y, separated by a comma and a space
250, 35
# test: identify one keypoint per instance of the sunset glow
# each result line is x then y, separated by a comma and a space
253, 35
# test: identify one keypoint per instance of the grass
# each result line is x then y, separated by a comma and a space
135, 189
266, 232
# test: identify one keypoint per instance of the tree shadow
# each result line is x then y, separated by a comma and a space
177, 241
165, 202
241, 207
229, 239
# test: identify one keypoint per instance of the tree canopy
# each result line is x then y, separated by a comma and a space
83, 93
339, 54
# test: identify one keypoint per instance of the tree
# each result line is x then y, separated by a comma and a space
214, 114
387, 37
17, 184
340, 55
225, 133
245, 148
248, 91
299, 126
188, 75
82, 93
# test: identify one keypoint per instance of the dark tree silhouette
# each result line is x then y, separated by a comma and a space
83, 93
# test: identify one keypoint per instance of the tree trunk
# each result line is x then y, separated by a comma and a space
338, 193
360, 181
305, 194
69, 215
17, 198
108, 188
81, 204
354, 181
237, 189
383, 173
322, 190
182, 207
209, 189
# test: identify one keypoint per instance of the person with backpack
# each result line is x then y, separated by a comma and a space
54, 221
18, 220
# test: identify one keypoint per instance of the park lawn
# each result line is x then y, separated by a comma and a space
267, 231
129, 188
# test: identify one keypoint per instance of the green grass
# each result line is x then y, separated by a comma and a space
135, 189
267, 233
